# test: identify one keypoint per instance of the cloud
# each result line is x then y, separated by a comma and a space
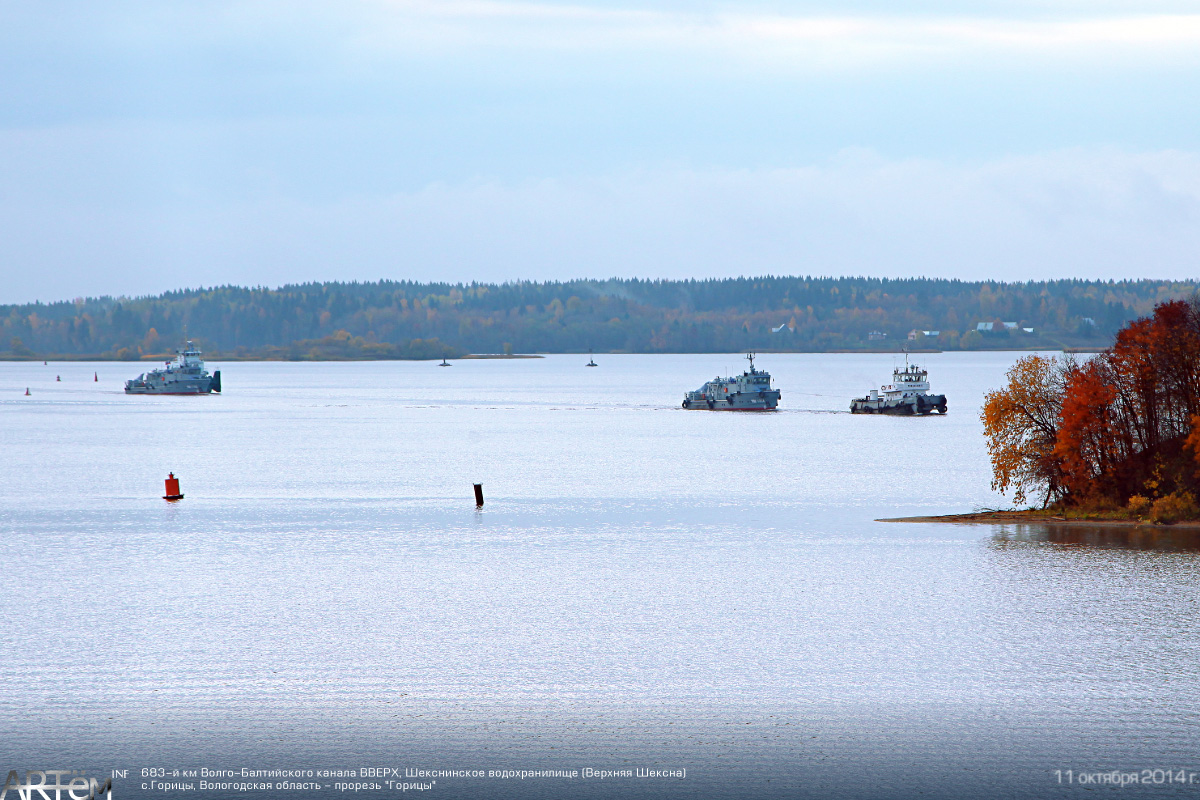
775, 40
1085, 213
270, 40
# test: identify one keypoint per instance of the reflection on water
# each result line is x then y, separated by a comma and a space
1142, 537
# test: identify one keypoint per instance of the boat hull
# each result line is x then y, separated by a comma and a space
760, 401
169, 391
203, 386
918, 406
173, 383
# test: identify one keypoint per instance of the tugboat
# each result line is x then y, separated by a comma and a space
750, 391
591, 360
185, 375
908, 394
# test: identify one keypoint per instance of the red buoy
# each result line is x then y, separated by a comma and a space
96, 377
27, 391
58, 377
173, 492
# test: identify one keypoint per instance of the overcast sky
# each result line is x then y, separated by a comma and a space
147, 146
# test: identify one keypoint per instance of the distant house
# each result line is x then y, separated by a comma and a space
912, 335
1089, 321
1027, 330
876, 336
987, 327
782, 329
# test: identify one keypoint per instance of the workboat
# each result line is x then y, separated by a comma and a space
908, 394
185, 375
750, 391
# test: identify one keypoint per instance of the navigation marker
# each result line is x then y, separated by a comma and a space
173, 492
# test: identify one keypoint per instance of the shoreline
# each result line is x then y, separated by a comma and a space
105, 358
1046, 518
500, 356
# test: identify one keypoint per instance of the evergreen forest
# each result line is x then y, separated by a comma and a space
409, 320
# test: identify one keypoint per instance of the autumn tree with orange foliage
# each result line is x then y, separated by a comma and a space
1021, 424
1125, 423
1128, 413
1088, 447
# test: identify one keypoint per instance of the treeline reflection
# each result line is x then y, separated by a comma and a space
1141, 537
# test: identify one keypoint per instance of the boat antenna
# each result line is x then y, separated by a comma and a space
750, 357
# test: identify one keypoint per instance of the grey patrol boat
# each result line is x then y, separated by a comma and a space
907, 394
750, 391
185, 375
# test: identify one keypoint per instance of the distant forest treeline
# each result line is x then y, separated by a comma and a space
403, 319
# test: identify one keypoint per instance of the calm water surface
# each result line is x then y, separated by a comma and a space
646, 587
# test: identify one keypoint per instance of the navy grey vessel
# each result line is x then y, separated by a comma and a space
185, 375
908, 394
750, 391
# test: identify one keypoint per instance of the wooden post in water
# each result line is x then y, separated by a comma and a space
479, 495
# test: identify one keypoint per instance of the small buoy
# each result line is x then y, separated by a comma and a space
58, 378
173, 492
479, 495
27, 391
96, 377
45, 364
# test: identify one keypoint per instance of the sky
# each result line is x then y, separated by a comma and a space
149, 146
